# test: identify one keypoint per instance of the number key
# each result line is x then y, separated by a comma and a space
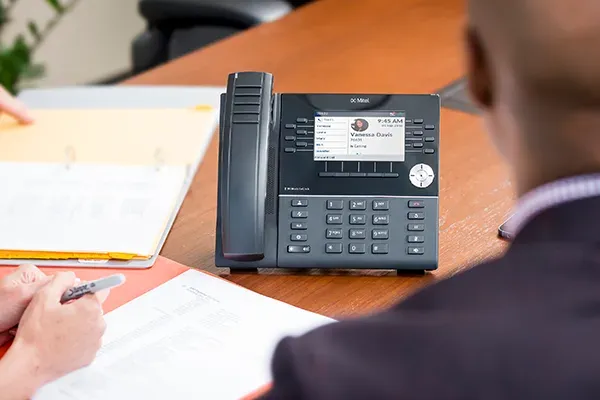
334, 219
358, 204
333, 234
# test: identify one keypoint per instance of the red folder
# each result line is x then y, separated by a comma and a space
139, 281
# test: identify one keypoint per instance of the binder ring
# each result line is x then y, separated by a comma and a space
159, 159
70, 156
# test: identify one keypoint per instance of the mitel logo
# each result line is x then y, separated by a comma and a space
361, 100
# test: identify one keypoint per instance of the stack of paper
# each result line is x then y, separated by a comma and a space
96, 184
194, 337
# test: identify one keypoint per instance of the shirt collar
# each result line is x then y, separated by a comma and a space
551, 195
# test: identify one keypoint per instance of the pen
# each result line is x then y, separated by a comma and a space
92, 287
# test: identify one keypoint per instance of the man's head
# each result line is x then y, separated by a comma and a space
534, 69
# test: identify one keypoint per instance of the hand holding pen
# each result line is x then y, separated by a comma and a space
54, 337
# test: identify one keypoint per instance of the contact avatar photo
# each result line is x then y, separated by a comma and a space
360, 125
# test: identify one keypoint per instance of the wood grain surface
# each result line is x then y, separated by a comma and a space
354, 46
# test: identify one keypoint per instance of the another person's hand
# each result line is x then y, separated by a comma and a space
59, 338
10, 105
16, 291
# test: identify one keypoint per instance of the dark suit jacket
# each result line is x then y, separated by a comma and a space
525, 326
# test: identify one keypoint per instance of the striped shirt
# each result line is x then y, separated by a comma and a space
551, 195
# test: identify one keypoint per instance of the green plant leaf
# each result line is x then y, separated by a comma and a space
3, 16
34, 30
21, 50
56, 5
33, 71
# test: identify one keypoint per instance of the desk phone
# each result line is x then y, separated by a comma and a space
326, 180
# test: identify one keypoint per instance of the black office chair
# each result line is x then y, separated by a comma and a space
177, 27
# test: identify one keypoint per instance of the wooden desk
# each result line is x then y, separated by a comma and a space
385, 46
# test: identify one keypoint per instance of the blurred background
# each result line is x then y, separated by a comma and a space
70, 42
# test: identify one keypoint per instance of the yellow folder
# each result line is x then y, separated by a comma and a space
95, 184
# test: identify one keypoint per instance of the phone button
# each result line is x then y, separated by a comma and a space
430, 139
290, 150
299, 214
416, 215
334, 234
335, 204
429, 151
415, 239
333, 248
290, 126
379, 248
299, 226
298, 249
380, 219
302, 120
380, 234
297, 237
381, 205
334, 219
357, 248
358, 204
416, 227
416, 251
358, 233
419, 120
358, 219
416, 204
429, 127
299, 202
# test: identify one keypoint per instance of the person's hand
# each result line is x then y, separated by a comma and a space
13, 107
16, 291
60, 338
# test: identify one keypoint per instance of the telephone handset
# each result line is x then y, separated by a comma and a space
326, 180
245, 126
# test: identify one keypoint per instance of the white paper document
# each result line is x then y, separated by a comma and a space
86, 208
194, 337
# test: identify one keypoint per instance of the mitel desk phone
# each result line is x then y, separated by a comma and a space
347, 181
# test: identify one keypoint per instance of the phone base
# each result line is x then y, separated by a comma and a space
411, 272
243, 270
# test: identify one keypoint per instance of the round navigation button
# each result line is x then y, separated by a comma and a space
421, 175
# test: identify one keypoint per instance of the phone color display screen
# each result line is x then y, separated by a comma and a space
369, 136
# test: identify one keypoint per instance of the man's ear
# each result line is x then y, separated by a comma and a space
479, 74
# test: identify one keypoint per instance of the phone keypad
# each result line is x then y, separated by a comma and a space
357, 226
